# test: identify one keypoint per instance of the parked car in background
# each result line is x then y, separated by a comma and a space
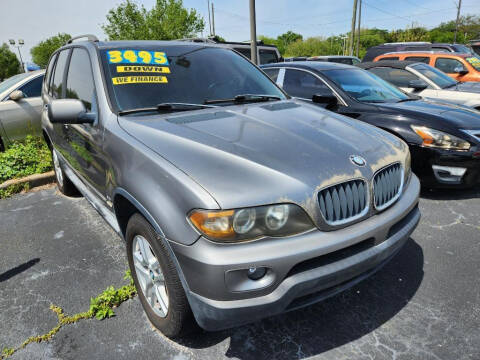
375, 51
475, 45
460, 67
295, 58
426, 81
444, 139
20, 107
341, 59
266, 54
236, 202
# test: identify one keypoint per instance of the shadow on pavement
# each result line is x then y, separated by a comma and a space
450, 194
329, 324
18, 269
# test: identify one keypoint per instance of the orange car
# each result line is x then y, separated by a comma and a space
461, 67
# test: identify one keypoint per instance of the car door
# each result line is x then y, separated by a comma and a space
84, 141
451, 67
22, 117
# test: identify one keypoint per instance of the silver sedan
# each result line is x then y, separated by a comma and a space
20, 107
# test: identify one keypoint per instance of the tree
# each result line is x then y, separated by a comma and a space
9, 64
41, 53
286, 39
167, 20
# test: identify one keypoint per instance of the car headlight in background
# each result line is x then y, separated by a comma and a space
251, 223
439, 139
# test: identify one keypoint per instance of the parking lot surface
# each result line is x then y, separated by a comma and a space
424, 304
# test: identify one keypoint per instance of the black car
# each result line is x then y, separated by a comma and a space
375, 51
444, 139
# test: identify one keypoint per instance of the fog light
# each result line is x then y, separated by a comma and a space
255, 273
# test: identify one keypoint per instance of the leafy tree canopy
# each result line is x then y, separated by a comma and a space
9, 64
167, 20
41, 53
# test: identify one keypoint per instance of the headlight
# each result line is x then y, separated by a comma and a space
251, 223
439, 139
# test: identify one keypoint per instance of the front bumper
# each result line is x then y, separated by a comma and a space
432, 166
303, 269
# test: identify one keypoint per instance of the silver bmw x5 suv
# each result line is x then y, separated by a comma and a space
235, 202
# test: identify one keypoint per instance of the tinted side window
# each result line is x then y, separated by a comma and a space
80, 79
436, 48
268, 56
397, 77
244, 51
58, 74
347, 61
272, 73
448, 65
304, 85
49, 72
424, 59
389, 58
33, 88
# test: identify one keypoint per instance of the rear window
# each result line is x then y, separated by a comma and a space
244, 51
268, 56
424, 59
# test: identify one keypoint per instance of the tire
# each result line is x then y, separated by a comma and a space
162, 279
64, 184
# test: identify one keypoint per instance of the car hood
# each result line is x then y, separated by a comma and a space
257, 154
438, 112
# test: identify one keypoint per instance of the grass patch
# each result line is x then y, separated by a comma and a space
23, 158
101, 307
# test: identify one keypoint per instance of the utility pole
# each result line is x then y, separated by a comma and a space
253, 32
213, 20
352, 30
458, 18
209, 20
358, 31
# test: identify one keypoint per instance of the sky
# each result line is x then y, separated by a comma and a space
34, 20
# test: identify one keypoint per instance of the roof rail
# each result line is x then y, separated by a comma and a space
89, 37
418, 51
408, 43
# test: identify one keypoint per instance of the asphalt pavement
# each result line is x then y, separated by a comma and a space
424, 304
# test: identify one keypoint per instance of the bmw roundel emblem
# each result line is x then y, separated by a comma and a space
357, 160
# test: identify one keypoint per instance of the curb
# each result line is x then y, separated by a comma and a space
33, 180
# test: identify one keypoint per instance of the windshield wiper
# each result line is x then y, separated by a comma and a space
409, 99
244, 98
166, 107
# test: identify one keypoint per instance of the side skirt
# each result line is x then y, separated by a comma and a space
108, 215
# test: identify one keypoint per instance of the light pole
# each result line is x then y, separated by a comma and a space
20, 43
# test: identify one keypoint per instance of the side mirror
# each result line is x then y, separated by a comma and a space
460, 70
69, 111
329, 100
417, 85
16, 95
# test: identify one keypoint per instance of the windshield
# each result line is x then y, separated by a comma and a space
462, 49
11, 81
143, 77
365, 86
474, 61
438, 77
